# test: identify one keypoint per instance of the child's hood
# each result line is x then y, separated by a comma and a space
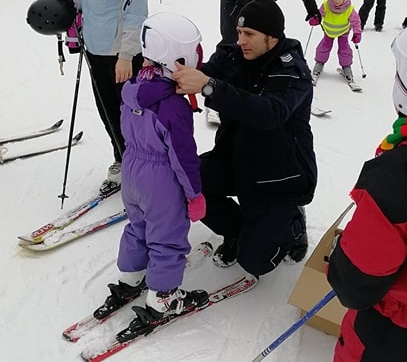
142, 94
338, 9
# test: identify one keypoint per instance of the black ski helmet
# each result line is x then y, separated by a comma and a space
51, 17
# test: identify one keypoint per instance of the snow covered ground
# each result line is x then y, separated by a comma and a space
42, 293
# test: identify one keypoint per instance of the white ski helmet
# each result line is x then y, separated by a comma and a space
169, 37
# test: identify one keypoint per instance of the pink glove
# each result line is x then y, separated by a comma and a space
196, 207
356, 38
314, 21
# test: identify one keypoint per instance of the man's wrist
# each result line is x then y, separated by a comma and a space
208, 89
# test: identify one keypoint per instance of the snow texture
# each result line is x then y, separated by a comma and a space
43, 293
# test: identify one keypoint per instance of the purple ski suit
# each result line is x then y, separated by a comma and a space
345, 14
160, 169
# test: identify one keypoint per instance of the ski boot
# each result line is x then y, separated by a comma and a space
113, 180
161, 308
121, 294
226, 254
316, 72
347, 73
300, 247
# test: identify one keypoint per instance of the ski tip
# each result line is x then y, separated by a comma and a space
29, 239
3, 151
57, 124
321, 114
68, 337
78, 137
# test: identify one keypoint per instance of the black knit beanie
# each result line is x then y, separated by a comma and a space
264, 16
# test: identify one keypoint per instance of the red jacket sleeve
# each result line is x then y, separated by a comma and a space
366, 259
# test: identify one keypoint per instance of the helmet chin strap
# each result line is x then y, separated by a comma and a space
191, 97
194, 103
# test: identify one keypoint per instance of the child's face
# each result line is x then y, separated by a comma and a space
339, 2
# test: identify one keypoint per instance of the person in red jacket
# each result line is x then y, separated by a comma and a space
368, 265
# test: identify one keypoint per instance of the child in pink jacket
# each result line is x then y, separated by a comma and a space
338, 18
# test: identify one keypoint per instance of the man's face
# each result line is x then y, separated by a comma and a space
254, 43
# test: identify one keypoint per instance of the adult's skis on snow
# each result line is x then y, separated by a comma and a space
59, 237
142, 327
351, 83
48, 230
4, 150
102, 314
34, 134
319, 112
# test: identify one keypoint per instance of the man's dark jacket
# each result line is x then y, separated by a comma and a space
268, 138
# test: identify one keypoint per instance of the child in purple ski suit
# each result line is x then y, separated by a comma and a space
161, 185
338, 18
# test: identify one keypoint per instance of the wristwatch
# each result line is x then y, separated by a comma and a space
209, 88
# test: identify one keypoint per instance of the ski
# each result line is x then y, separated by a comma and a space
87, 324
3, 150
319, 112
47, 230
42, 132
59, 237
352, 85
243, 284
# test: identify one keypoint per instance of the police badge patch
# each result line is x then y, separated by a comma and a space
240, 21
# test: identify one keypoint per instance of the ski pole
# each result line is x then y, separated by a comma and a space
309, 38
63, 196
360, 61
295, 326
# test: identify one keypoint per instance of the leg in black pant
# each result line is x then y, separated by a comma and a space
108, 96
266, 240
364, 11
223, 214
380, 13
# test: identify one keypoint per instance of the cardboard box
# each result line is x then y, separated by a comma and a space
312, 285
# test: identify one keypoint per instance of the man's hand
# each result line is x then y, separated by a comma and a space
124, 70
189, 80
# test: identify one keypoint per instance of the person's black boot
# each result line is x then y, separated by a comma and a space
226, 254
299, 249
378, 27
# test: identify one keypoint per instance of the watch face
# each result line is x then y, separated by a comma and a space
207, 90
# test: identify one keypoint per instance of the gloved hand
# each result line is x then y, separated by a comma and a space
315, 16
314, 21
356, 38
196, 208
